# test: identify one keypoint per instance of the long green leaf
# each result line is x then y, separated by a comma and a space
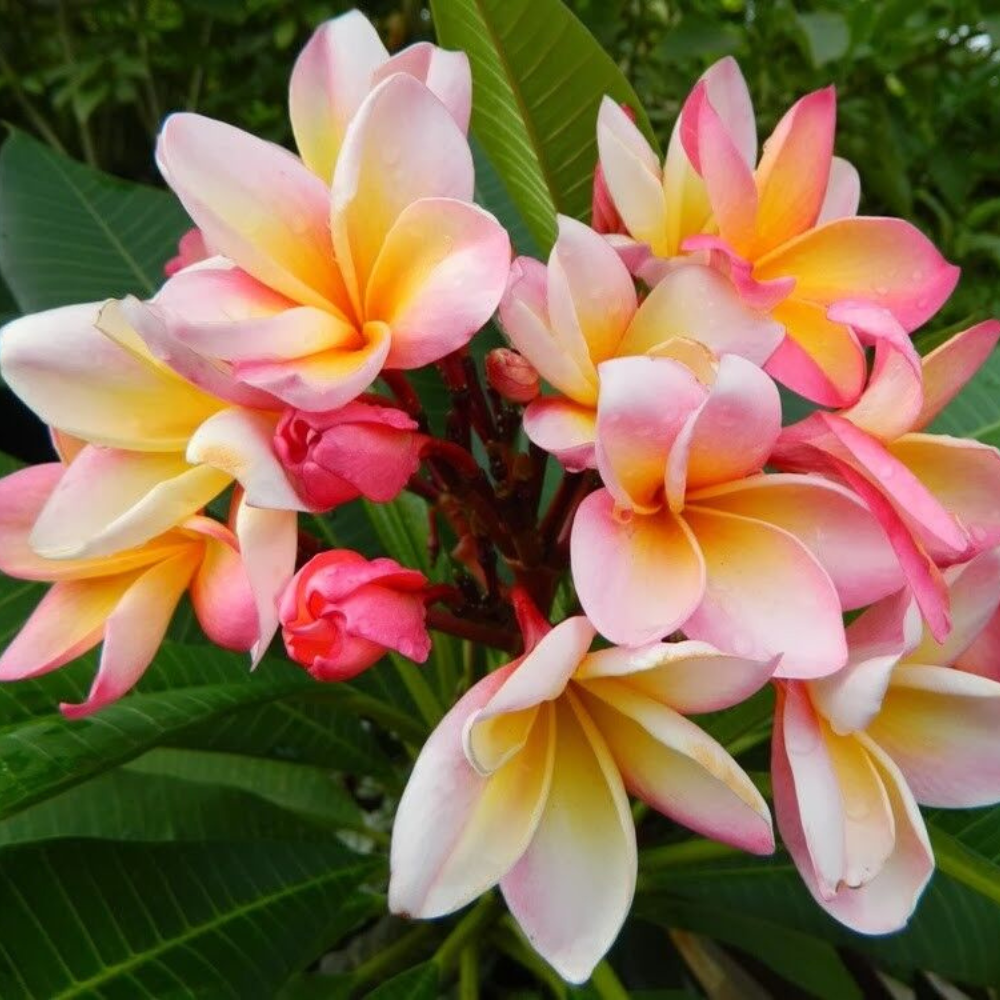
93, 919
69, 233
418, 983
538, 78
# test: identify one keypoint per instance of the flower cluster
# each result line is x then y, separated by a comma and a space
713, 548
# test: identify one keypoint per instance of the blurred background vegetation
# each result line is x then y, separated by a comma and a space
919, 84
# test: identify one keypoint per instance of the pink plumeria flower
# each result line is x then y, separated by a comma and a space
854, 753
935, 495
191, 249
784, 229
124, 600
149, 448
368, 255
523, 784
687, 533
582, 310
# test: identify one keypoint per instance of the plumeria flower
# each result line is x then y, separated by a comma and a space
523, 784
124, 601
784, 229
687, 534
854, 753
935, 495
155, 448
369, 255
582, 309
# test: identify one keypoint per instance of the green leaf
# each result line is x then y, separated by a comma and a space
418, 983
538, 78
826, 34
93, 919
975, 411
967, 848
69, 233
493, 196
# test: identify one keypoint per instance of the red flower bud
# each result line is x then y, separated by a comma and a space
339, 455
512, 375
341, 613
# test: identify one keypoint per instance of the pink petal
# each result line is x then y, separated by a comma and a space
438, 278
766, 595
983, 656
670, 763
828, 520
256, 204
843, 192
134, 631
401, 146
949, 367
564, 429
794, 170
457, 833
699, 303
110, 500
238, 442
759, 295
939, 725
331, 77
644, 403
620, 571
445, 74
572, 888
730, 97
690, 677
885, 261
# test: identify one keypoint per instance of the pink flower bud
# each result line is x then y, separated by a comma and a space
341, 613
191, 248
512, 375
339, 455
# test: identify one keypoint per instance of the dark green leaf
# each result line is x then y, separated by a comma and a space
418, 983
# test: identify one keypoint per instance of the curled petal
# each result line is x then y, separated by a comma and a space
843, 192
445, 74
564, 429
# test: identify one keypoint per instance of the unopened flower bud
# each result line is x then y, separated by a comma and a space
339, 455
512, 375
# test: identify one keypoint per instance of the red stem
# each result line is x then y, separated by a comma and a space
489, 635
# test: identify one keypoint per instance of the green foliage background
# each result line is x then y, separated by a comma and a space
218, 834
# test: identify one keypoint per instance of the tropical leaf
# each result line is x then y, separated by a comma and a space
418, 983
85, 918
69, 233
538, 78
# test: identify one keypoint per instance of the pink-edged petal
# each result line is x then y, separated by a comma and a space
68, 621
77, 379
727, 90
730, 435
829, 520
632, 174
939, 725
323, 381
643, 404
947, 368
524, 315
962, 476
843, 192
885, 261
759, 295
983, 656
638, 577
727, 176
591, 295
572, 888
401, 146
794, 170
974, 589
564, 429
818, 359
456, 833
256, 203
220, 589
110, 500
268, 541
438, 278
134, 631
688, 676
668, 762
765, 595
239, 443
698, 302
331, 77
446, 74
877, 641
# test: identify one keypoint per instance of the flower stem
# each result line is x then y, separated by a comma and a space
685, 853
468, 973
489, 635
606, 983
385, 961
467, 930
